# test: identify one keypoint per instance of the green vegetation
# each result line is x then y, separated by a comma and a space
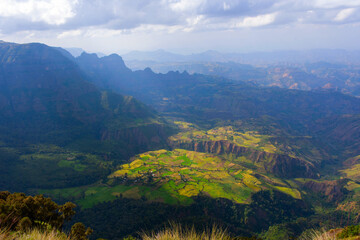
88, 196
352, 170
249, 139
349, 231
184, 174
27, 217
176, 232
50, 166
175, 177
21, 212
34, 234
250, 157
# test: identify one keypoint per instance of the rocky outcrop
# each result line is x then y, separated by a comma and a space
332, 190
279, 164
139, 139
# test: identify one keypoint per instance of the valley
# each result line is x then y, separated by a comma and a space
137, 149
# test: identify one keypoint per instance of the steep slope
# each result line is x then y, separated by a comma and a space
208, 97
252, 149
249, 139
320, 75
211, 101
49, 112
343, 131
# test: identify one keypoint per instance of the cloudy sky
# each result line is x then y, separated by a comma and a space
183, 26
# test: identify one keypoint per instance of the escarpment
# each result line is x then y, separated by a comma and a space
279, 164
332, 190
139, 138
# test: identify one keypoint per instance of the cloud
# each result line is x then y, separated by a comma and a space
71, 17
327, 4
344, 14
186, 5
72, 33
53, 12
261, 20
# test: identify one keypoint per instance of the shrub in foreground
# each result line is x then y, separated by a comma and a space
349, 231
34, 234
176, 232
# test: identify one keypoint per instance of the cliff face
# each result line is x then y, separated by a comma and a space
45, 97
139, 139
332, 190
342, 131
279, 164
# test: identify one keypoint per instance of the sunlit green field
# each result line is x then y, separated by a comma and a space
174, 177
353, 171
249, 139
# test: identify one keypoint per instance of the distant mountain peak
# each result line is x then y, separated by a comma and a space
161, 51
211, 52
114, 56
89, 56
148, 70
76, 52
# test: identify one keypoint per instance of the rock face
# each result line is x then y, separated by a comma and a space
343, 132
333, 190
279, 164
139, 139
45, 97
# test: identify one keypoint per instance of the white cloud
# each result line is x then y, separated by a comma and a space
72, 33
226, 6
261, 20
54, 12
336, 3
186, 5
66, 17
344, 14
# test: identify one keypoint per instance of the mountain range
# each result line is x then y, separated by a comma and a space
136, 149
305, 56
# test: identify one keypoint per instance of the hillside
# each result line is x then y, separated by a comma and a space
322, 75
282, 139
49, 111
204, 96
212, 101
213, 150
256, 58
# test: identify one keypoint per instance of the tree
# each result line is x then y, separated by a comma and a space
19, 211
78, 231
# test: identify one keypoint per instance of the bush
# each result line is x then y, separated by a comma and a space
24, 224
349, 231
79, 232
176, 232
19, 211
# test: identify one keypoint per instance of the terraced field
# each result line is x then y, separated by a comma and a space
249, 139
174, 177
51, 166
352, 169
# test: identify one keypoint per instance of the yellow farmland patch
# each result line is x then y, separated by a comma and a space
184, 174
352, 185
292, 192
119, 173
189, 191
136, 163
249, 139
353, 172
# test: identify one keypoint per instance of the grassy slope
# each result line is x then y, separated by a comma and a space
249, 139
174, 177
50, 166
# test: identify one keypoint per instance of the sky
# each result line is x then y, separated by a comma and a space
183, 26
